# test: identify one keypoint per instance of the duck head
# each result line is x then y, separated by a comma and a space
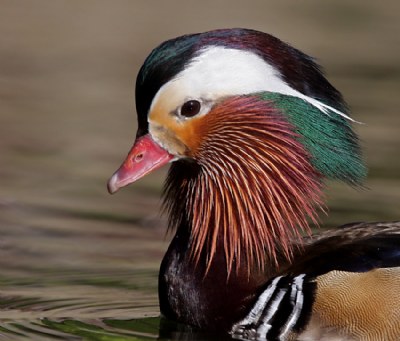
251, 127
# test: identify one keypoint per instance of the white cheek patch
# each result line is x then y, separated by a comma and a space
221, 72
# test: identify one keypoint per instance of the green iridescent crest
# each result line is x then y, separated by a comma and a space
329, 138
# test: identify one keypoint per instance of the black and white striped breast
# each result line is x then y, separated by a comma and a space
281, 311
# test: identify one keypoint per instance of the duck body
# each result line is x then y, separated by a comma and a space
251, 128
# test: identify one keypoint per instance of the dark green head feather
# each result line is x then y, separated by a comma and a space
329, 138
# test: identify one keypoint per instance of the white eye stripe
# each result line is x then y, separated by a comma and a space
222, 72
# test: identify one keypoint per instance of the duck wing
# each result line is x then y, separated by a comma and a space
343, 285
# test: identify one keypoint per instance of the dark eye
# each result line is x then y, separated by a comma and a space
190, 108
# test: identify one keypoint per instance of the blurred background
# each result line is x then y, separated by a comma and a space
67, 120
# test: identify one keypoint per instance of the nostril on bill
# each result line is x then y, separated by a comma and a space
138, 158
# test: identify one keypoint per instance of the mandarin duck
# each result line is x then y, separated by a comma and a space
251, 128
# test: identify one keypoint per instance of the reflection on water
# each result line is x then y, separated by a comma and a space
77, 263
48, 329
150, 328
98, 329
99, 306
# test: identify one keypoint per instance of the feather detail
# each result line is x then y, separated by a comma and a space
330, 139
247, 146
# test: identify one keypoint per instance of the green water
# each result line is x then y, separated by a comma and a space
77, 263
